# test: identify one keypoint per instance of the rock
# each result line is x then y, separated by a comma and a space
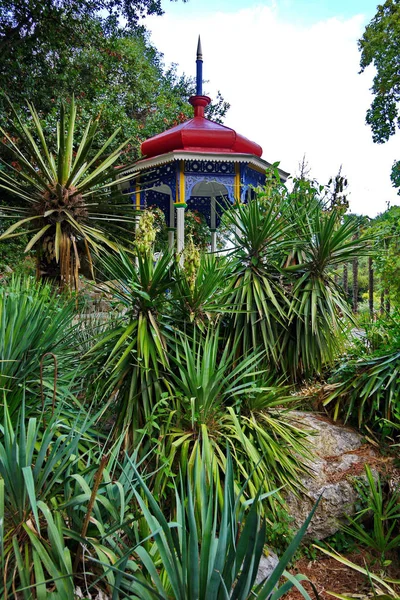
99, 595
266, 566
340, 455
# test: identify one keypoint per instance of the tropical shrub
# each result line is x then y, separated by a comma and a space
201, 555
130, 357
367, 391
258, 302
66, 193
318, 310
35, 459
217, 398
283, 293
200, 300
75, 511
36, 344
384, 510
364, 387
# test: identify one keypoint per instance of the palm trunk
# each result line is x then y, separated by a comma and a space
371, 287
387, 305
355, 285
345, 280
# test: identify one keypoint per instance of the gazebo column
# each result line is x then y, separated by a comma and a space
171, 228
180, 229
180, 206
213, 227
171, 238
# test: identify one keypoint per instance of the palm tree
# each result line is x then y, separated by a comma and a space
62, 195
371, 286
345, 280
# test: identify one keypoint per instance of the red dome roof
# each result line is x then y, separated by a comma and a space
200, 135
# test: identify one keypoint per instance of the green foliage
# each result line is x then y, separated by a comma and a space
368, 391
202, 301
131, 356
34, 460
284, 296
99, 52
364, 388
257, 298
218, 398
61, 187
190, 375
74, 511
386, 231
203, 556
322, 242
35, 322
280, 531
380, 46
384, 534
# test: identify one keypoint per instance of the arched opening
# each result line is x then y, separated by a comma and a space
210, 198
161, 197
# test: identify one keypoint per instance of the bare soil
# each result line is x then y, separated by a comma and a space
328, 575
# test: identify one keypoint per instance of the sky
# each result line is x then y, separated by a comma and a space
290, 70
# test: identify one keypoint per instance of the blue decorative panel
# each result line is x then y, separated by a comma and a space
226, 180
158, 174
204, 166
161, 201
250, 177
203, 206
164, 174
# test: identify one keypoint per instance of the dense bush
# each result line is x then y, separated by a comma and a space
190, 381
365, 386
75, 510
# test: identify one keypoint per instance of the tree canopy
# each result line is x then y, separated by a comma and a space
98, 51
380, 46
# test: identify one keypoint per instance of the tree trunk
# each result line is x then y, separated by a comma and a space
355, 285
387, 305
345, 280
382, 307
371, 287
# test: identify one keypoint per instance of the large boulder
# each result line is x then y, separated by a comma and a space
340, 455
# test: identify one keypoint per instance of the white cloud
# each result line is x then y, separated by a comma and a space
293, 88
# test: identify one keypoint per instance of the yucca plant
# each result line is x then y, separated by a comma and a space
201, 302
257, 302
210, 405
67, 193
36, 343
35, 460
130, 356
384, 536
200, 554
318, 310
368, 390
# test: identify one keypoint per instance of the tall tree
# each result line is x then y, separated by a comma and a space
96, 50
371, 286
346, 280
380, 46
355, 284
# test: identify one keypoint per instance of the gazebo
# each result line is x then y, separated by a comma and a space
200, 165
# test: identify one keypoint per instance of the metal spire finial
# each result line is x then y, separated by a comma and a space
199, 69
199, 50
